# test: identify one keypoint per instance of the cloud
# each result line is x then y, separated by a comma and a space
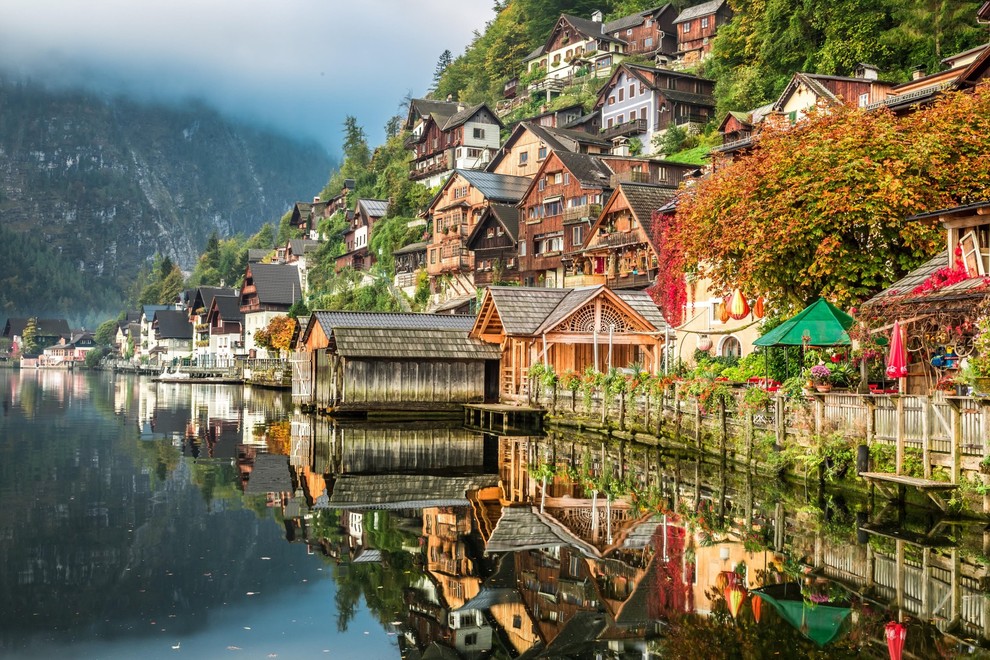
300, 66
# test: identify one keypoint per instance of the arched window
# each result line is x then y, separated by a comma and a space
730, 347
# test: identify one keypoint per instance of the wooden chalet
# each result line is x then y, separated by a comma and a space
739, 128
963, 71
306, 216
641, 102
651, 32
199, 306
494, 244
809, 90
696, 27
926, 309
409, 261
173, 335
558, 207
529, 144
456, 209
570, 329
447, 136
574, 44
619, 250
365, 361
68, 352
269, 290
47, 331
358, 234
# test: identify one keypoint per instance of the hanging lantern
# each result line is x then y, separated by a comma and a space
758, 310
704, 343
896, 634
724, 580
757, 604
738, 307
734, 597
723, 315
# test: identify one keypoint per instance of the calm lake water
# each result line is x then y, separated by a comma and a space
166, 520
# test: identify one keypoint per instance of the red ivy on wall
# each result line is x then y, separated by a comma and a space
669, 291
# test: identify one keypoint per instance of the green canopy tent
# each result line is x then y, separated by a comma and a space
819, 324
819, 622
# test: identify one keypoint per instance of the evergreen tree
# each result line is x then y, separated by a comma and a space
29, 337
445, 59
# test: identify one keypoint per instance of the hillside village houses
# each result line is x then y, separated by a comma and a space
561, 201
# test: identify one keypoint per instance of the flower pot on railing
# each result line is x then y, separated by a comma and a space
824, 388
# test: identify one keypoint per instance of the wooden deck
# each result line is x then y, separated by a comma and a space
893, 486
503, 419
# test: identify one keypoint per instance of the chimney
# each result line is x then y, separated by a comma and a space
316, 199
919, 72
866, 71
596, 16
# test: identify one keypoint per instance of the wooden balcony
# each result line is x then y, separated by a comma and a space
583, 212
633, 127
439, 166
690, 119
631, 281
583, 280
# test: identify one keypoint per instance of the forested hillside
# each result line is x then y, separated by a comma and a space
107, 184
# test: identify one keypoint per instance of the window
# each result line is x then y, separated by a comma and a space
523, 157
553, 208
730, 347
433, 256
628, 31
542, 153
642, 114
704, 22
649, 22
632, 91
490, 233
609, 123
611, 100
479, 134
517, 621
471, 640
577, 235
621, 118
542, 185
474, 153
522, 248
567, 178
621, 94
558, 178
864, 100
648, 42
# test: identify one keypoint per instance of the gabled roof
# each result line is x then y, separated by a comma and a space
329, 320
590, 171
495, 187
404, 491
148, 311
649, 76
256, 255
412, 343
463, 116
564, 135
704, 9
373, 208
643, 199
422, 108
205, 295
525, 528
172, 324
228, 308
269, 474
536, 52
277, 284
633, 20
43, 327
412, 247
505, 215
532, 310
587, 27
301, 246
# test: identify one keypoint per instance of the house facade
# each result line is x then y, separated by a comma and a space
642, 102
493, 242
269, 290
446, 136
358, 235
575, 45
226, 324
173, 336
650, 32
697, 26
199, 306
529, 144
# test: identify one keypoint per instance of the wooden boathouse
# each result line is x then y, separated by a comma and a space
358, 362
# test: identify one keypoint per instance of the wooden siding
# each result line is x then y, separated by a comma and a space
411, 384
527, 143
698, 38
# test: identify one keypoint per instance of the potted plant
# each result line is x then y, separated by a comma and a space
821, 376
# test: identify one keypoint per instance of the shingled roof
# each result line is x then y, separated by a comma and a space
229, 308
329, 320
412, 343
43, 327
590, 171
172, 324
704, 9
269, 474
373, 208
404, 491
525, 528
496, 187
277, 284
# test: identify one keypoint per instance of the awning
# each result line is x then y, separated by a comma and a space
820, 324
819, 622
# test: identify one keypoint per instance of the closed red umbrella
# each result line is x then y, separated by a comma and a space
757, 603
896, 633
897, 359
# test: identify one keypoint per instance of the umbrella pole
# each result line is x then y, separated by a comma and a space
902, 381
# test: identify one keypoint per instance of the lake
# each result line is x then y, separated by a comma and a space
166, 520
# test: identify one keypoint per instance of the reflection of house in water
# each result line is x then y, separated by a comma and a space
265, 474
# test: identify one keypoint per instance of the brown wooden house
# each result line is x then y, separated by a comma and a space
570, 329
697, 26
449, 135
619, 250
358, 235
457, 208
493, 242
650, 32
562, 200
530, 144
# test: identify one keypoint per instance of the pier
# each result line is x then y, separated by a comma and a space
503, 419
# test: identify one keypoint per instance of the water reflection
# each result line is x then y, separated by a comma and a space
136, 503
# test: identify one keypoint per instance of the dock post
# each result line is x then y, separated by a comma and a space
779, 421
899, 436
926, 435
955, 428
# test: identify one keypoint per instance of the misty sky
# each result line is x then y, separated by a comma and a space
299, 66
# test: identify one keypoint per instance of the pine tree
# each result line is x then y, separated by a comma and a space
445, 59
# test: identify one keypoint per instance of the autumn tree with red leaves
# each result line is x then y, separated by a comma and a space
278, 335
821, 208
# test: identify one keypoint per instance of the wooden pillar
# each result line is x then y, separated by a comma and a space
956, 600
926, 578
871, 419
819, 414
926, 435
955, 429
780, 418
899, 435
899, 572
778, 527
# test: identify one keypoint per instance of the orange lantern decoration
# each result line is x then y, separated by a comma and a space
758, 310
722, 581
738, 306
734, 597
724, 315
757, 604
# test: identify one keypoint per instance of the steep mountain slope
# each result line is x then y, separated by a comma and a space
108, 182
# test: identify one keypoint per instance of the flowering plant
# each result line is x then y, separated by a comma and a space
820, 374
